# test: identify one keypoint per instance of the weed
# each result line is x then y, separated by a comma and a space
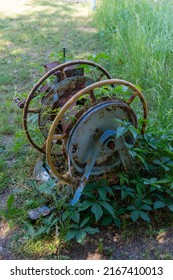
100, 246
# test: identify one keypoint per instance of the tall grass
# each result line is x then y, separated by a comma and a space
138, 35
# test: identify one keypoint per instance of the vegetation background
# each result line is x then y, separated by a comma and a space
136, 37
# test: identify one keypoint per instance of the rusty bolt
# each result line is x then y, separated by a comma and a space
111, 145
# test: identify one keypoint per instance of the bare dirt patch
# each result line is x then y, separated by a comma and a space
112, 244
6, 232
6, 235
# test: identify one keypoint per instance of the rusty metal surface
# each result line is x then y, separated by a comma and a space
66, 176
64, 70
56, 98
78, 125
88, 130
70, 71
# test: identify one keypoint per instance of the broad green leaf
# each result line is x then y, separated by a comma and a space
91, 230
76, 217
148, 201
75, 226
158, 162
110, 190
84, 221
66, 214
150, 181
131, 208
85, 205
80, 236
163, 181
144, 216
143, 161
170, 207
119, 120
117, 222
138, 202
132, 153
145, 207
102, 182
121, 131
102, 193
97, 210
124, 194
139, 189
121, 211
108, 207
170, 163
71, 234
107, 221
127, 192
135, 215
159, 204
134, 131
47, 187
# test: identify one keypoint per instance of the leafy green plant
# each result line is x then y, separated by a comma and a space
11, 212
44, 228
93, 207
79, 231
137, 196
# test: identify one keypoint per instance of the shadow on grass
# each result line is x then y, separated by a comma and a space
30, 38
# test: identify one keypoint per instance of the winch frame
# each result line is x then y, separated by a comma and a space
53, 137
71, 85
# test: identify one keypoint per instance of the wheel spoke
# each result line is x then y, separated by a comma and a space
100, 77
92, 96
43, 146
34, 110
131, 98
63, 74
57, 137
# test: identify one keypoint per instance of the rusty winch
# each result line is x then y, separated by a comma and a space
73, 114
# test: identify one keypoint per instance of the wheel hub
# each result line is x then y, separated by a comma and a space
84, 136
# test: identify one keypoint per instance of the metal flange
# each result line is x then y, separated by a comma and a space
89, 128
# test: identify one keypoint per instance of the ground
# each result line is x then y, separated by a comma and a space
37, 29
144, 242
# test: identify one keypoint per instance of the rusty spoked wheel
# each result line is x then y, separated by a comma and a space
124, 106
52, 91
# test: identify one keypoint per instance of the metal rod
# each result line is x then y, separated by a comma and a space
64, 53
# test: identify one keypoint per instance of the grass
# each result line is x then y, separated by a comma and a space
45, 248
138, 36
